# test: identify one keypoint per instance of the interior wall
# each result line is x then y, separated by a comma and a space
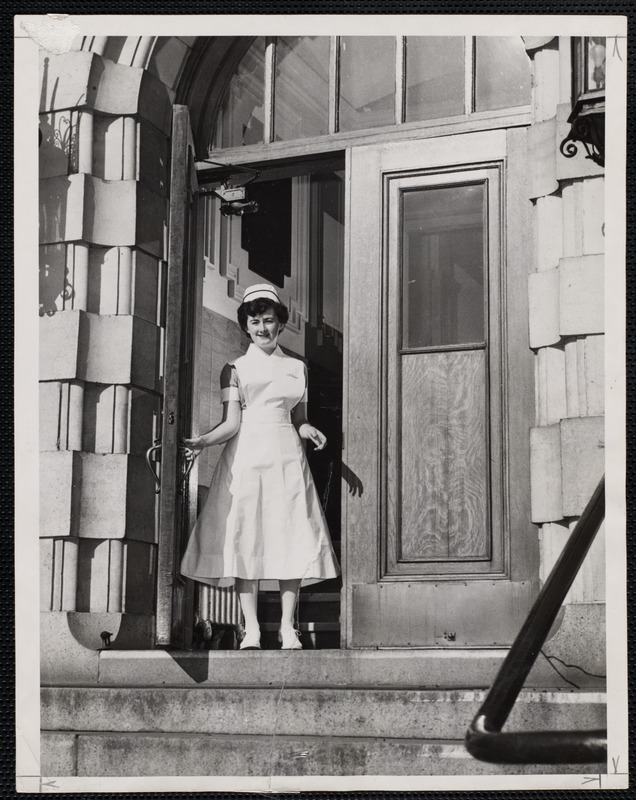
227, 273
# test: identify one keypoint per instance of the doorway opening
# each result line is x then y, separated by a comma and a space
296, 242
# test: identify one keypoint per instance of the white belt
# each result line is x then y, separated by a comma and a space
272, 415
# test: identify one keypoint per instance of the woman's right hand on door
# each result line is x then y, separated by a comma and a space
197, 443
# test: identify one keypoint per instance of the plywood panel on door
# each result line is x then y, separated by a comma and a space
443, 457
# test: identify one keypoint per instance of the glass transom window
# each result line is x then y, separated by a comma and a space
289, 88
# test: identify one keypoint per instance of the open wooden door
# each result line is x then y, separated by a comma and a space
440, 551
177, 504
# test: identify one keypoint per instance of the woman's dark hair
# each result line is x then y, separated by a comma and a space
259, 306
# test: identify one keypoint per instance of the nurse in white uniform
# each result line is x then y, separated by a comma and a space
262, 518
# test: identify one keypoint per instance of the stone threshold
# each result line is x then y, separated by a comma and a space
398, 668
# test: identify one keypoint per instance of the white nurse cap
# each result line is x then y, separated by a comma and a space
263, 290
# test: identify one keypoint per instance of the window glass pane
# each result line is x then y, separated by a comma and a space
367, 82
241, 119
434, 77
502, 73
595, 77
301, 87
443, 266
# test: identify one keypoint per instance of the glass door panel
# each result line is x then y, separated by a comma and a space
443, 263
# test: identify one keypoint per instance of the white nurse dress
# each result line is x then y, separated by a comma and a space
262, 517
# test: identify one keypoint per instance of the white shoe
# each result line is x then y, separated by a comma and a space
289, 639
251, 641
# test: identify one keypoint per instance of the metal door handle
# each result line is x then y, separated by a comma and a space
156, 446
189, 456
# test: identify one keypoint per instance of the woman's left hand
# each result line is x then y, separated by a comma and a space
308, 431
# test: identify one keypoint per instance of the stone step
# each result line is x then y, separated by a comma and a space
147, 754
450, 668
368, 712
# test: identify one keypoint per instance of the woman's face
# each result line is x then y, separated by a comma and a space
264, 330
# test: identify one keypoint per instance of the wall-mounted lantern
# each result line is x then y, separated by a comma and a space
587, 120
231, 188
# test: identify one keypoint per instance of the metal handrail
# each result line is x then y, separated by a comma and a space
485, 739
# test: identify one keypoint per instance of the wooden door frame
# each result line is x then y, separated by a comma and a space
492, 175
362, 407
174, 594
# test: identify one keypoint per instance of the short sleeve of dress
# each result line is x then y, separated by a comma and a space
229, 384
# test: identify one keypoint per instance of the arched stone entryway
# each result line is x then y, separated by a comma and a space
105, 121
105, 117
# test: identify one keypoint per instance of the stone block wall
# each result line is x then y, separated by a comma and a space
105, 120
566, 326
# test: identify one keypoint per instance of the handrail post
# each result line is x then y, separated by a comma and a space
483, 736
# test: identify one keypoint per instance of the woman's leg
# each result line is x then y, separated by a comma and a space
248, 597
288, 599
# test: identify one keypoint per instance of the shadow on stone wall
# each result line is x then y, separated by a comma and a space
55, 157
56, 291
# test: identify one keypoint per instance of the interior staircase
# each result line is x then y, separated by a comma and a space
318, 615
